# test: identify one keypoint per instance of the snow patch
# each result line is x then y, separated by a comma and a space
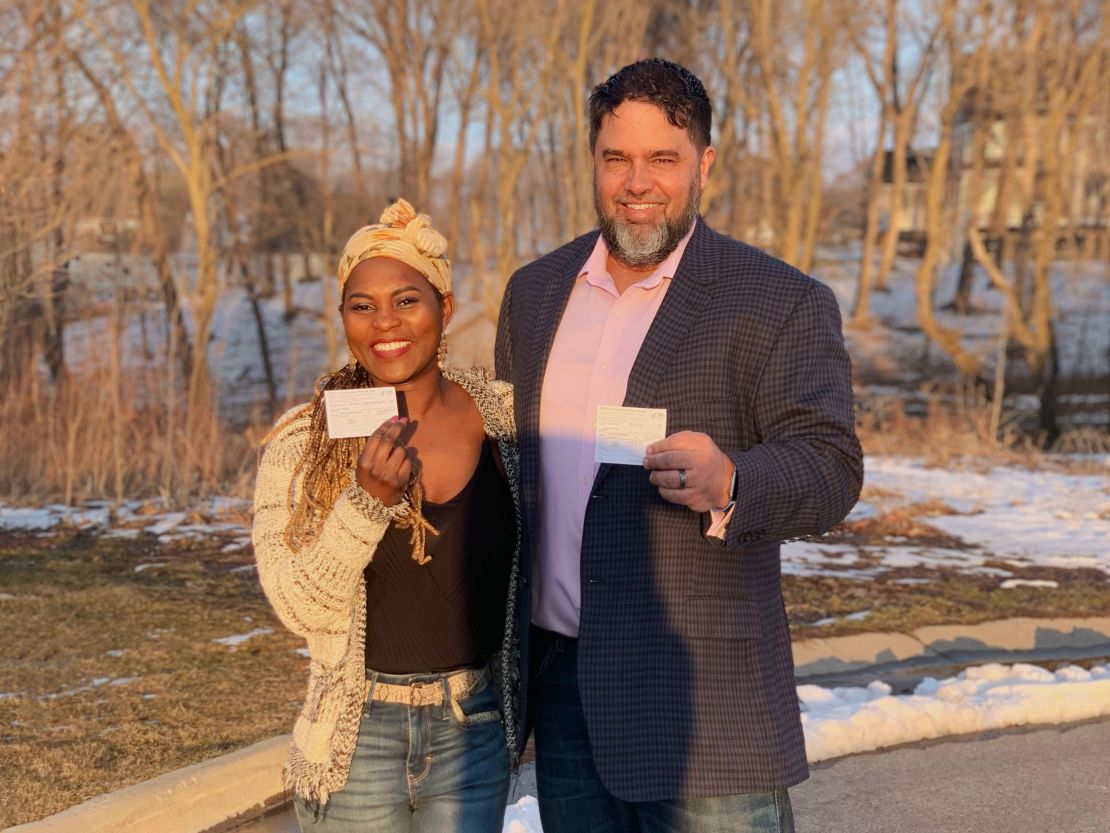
92, 685
843, 721
239, 639
1011, 583
523, 816
1021, 517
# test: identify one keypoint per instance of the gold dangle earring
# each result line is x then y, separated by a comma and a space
441, 353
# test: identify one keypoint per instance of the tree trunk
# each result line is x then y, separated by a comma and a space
961, 301
1049, 391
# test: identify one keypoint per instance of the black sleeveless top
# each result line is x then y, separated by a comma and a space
450, 612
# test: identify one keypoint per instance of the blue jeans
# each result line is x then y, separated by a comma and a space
417, 769
573, 798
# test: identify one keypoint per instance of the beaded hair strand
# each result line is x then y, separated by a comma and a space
322, 471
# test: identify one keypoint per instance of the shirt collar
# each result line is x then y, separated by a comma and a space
596, 272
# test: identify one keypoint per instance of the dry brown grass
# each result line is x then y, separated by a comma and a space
935, 594
960, 426
102, 434
950, 598
950, 427
69, 602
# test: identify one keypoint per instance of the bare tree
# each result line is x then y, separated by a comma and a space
898, 111
787, 95
414, 40
1061, 69
188, 54
962, 71
522, 55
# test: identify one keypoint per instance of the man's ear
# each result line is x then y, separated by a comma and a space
705, 163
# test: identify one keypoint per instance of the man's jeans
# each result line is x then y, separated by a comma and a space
418, 770
571, 795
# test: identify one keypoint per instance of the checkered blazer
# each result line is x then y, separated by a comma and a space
685, 669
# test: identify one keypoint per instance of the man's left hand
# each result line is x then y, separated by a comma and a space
689, 469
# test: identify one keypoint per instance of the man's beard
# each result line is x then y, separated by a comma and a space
640, 245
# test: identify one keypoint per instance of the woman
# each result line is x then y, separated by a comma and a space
395, 556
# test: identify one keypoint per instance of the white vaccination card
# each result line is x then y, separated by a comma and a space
358, 412
623, 434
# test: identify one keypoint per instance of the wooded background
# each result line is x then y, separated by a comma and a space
205, 145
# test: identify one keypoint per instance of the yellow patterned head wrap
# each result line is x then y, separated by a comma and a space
402, 235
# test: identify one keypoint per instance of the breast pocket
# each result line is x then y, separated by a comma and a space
719, 418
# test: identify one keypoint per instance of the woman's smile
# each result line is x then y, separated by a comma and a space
390, 349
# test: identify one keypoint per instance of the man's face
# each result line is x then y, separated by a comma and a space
648, 178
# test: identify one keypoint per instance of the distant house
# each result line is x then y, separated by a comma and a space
1086, 208
105, 234
909, 214
1086, 205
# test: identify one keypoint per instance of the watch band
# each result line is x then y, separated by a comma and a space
731, 493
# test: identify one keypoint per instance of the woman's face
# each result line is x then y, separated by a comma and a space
393, 319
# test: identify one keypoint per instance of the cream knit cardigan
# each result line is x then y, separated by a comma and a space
320, 593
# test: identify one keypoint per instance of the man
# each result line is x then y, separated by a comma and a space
659, 673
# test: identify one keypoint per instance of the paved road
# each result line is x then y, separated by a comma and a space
1053, 780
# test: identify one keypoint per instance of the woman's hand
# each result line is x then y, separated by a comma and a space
385, 464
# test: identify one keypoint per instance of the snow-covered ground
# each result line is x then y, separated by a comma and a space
1016, 516
523, 816
1080, 293
297, 346
217, 517
892, 352
843, 721
1005, 514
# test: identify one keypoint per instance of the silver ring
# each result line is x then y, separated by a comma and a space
682, 478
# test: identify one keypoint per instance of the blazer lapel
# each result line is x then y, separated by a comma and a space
545, 322
676, 316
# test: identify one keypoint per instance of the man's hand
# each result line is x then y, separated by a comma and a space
692, 461
385, 464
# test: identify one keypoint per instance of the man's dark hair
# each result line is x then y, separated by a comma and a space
670, 87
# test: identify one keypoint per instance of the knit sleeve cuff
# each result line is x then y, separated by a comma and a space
371, 507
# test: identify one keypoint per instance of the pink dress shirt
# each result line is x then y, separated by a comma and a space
597, 342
